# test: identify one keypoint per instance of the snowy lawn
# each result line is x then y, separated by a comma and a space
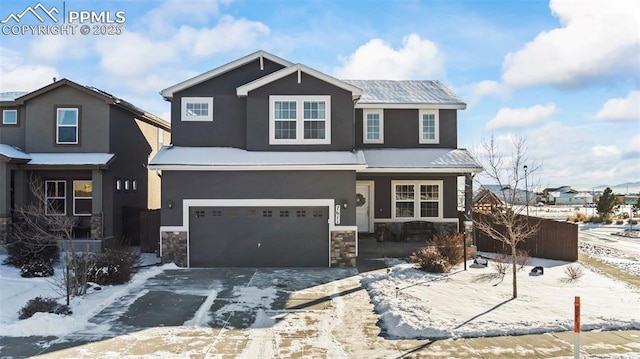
475, 303
16, 291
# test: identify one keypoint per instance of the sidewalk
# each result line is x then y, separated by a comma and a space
334, 320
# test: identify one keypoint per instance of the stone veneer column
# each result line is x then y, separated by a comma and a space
343, 248
5, 224
97, 231
174, 248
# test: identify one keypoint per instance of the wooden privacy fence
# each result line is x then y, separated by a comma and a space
141, 227
554, 240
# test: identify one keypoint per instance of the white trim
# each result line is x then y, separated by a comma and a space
199, 100
46, 198
187, 203
372, 214
244, 90
10, 123
416, 199
58, 125
349, 167
168, 92
81, 198
421, 170
436, 126
380, 113
412, 106
299, 120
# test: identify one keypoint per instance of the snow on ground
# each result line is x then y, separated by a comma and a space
475, 303
599, 242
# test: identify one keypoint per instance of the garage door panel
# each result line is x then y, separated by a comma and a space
259, 236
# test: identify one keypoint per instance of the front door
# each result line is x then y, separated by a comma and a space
363, 215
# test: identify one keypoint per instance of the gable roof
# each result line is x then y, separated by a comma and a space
13, 154
243, 90
391, 93
103, 95
167, 93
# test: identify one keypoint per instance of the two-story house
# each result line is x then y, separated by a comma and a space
88, 148
277, 164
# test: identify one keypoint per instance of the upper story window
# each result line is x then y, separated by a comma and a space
10, 117
429, 126
299, 120
373, 126
67, 125
197, 109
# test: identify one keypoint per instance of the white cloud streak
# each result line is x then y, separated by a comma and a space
520, 117
626, 108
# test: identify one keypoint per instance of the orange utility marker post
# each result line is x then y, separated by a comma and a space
576, 328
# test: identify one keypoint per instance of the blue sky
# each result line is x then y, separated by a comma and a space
565, 74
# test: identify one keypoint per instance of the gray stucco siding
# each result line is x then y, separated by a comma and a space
382, 191
40, 122
13, 134
402, 129
228, 127
180, 185
258, 113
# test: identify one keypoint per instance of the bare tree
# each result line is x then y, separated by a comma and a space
507, 224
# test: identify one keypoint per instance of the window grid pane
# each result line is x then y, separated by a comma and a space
314, 130
429, 209
404, 209
429, 192
428, 126
373, 126
404, 192
55, 197
314, 110
197, 109
285, 110
285, 130
9, 117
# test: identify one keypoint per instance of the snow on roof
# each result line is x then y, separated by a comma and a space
70, 159
13, 152
422, 158
227, 156
10, 96
405, 92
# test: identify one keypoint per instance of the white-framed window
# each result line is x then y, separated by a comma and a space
429, 126
9, 117
197, 109
55, 196
299, 120
416, 199
373, 126
82, 196
67, 125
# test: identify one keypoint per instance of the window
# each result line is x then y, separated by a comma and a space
160, 137
9, 117
82, 194
373, 126
299, 120
416, 200
55, 197
429, 129
118, 185
67, 121
197, 109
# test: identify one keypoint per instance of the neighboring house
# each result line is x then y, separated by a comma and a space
277, 164
565, 195
486, 201
89, 148
519, 197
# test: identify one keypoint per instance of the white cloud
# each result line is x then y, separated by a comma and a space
596, 39
161, 20
417, 58
15, 75
520, 117
626, 108
54, 48
487, 88
608, 152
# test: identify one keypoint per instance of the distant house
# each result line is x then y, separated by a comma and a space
89, 148
486, 201
511, 196
565, 195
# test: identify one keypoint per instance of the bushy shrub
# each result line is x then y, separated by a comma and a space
429, 259
450, 246
501, 264
597, 219
573, 271
34, 258
608, 221
114, 266
522, 258
42, 305
619, 221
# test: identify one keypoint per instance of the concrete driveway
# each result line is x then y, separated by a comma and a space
272, 313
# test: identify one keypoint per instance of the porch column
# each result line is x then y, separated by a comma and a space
97, 220
5, 201
470, 238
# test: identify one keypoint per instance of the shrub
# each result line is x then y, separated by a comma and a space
36, 268
42, 305
573, 271
608, 221
114, 266
619, 221
522, 258
597, 219
450, 246
429, 259
633, 221
34, 258
501, 264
